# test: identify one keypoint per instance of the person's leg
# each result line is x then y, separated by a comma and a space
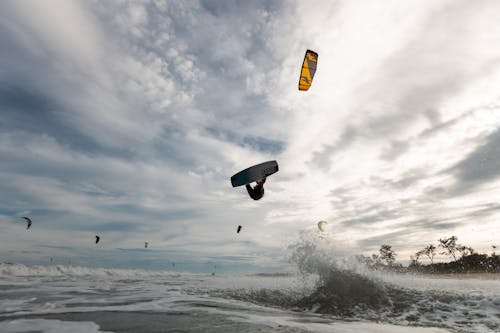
249, 190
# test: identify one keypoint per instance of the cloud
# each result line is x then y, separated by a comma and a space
128, 119
395, 149
259, 144
482, 166
37, 114
413, 82
410, 234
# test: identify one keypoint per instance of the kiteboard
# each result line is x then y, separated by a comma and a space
254, 173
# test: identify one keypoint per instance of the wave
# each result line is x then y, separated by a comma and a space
341, 287
14, 269
345, 288
277, 274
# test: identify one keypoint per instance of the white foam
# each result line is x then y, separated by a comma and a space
483, 285
20, 270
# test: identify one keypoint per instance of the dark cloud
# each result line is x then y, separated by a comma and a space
264, 145
480, 167
118, 226
369, 219
393, 238
407, 231
28, 110
438, 126
225, 8
407, 180
395, 149
256, 143
438, 192
433, 116
485, 210
348, 195
163, 214
427, 226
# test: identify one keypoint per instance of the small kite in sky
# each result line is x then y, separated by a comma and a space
320, 225
28, 220
97, 238
239, 229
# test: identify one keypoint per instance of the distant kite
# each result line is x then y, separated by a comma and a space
239, 229
29, 222
145, 245
320, 225
308, 70
97, 238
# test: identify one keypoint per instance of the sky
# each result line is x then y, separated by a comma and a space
126, 119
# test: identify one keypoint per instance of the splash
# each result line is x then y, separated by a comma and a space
346, 289
340, 289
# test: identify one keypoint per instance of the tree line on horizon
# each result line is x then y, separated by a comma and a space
464, 259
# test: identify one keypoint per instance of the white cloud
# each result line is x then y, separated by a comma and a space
141, 111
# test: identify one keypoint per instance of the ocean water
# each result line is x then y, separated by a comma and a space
76, 299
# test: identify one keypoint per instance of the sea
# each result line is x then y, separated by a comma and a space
335, 298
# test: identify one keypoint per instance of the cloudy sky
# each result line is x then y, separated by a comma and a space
127, 118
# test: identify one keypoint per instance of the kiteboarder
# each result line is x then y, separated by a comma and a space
257, 192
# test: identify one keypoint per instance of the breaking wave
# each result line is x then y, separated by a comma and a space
346, 289
8, 269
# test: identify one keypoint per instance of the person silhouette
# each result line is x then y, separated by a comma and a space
257, 192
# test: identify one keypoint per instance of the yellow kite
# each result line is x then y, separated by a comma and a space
308, 70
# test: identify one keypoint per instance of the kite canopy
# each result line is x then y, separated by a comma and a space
28, 220
145, 245
97, 238
320, 225
239, 229
308, 70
